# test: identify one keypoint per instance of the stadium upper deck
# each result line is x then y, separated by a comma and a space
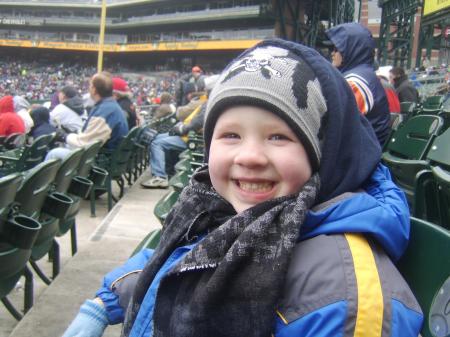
131, 22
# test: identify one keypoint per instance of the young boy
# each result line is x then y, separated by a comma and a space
288, 231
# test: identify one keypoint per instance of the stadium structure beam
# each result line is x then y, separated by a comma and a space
301, 21
395, 43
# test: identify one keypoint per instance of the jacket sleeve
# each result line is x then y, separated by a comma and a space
97, 129
118, 285
363, 95
390, 199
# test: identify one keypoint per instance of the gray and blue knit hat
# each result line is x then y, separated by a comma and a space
279, 81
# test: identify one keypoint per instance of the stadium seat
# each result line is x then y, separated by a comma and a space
432, 187
407, 108
76, 187
150, 241
13, 141
164, 205
405, 153
116, 163
179, 180
32, 197
17, 236
25, 158
426, 267
432, 104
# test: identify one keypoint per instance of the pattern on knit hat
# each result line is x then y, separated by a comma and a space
279, 81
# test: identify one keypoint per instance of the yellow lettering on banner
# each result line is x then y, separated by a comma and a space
154, 46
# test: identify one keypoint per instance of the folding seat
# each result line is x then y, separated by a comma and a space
115, 162
164, 205
25, 158
35, 199
150, 241
17, 236
426, 267
405, 153
432, 187
432, 104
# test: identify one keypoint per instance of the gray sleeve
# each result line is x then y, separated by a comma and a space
124, 287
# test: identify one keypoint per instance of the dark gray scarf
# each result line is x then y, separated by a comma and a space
231, 282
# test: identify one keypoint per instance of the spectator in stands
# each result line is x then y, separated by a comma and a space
41, 120
122, 94
106, 121
284, 232
193, 82
391, 94
68, 113
22, 108
174, 140
166, 107
10, 122
405, 89
353, 55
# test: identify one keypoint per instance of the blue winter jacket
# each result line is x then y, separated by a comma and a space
356, 45
340, 281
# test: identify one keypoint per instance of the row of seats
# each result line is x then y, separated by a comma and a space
40, 200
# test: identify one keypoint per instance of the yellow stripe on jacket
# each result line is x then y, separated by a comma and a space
369, 319
191, 116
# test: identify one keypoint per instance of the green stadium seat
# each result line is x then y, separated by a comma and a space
68, 182
432, 188
426, 267
17, 236
179, 180
405, 153
32, 196
25, 158
164, 205
432, 104
407, 108
150, 241
116, 164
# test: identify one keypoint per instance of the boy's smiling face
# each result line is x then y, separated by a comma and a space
255, 156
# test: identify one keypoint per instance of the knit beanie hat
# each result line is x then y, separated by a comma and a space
277, 80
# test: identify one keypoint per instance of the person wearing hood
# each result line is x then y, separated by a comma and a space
22, 108
41, 119
68, 113
289, 230
122, 94
353, 55
10, 122
405, 89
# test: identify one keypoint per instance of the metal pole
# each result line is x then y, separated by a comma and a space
102, 37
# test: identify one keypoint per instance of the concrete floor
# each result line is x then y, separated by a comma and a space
104, 242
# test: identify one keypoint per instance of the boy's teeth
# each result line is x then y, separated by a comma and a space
255, 187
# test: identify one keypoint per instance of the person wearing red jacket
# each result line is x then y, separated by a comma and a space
10, 122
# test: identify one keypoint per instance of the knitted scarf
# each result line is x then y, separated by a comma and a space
230, 283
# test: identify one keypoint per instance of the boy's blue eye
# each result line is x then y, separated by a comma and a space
230, 135
278, 137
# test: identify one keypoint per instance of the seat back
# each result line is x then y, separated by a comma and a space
150, 241
67, 170
441, 186
164, 205
426, 267
121, 155
33, 191
14, 141
12, 263
87, 160
413, 139
432, 104
407, 108
8, 188
35, 153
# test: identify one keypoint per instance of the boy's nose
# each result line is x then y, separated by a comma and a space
250, 155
